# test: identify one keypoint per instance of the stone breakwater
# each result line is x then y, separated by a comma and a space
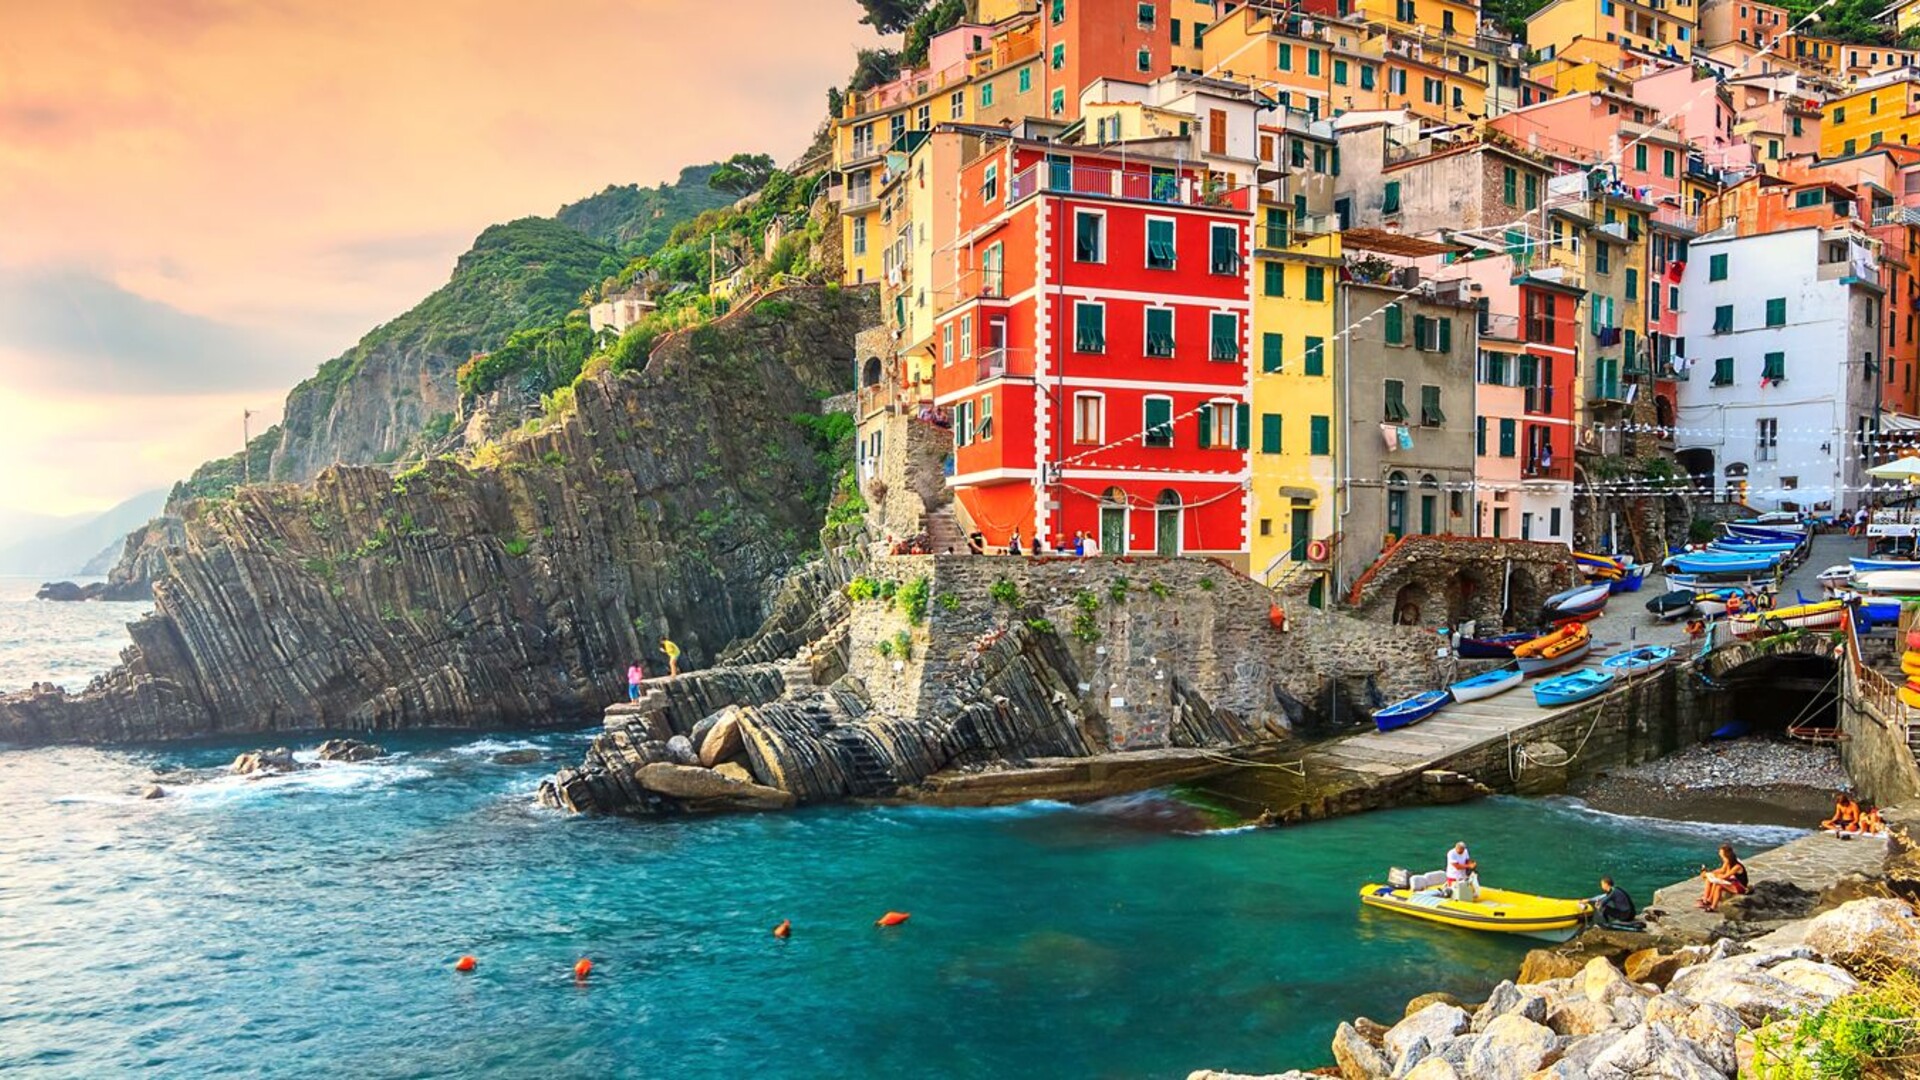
973, 679
663, 502
1614, 1006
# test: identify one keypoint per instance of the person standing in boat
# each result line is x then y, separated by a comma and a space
1460, 865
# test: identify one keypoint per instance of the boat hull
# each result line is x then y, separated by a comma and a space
1571, 689
1639, 661
1491, 648
1540, 665
1487, 685
1669, 606
1497, 911
1722, 564
1410, 711
1864, 565
1826, 618
1887, 582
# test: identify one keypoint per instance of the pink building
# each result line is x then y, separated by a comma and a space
1707, 130
1589, 127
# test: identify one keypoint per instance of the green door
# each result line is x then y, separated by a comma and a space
1428, 505
1166, 530
1059, 174
1113, 530
1302, 534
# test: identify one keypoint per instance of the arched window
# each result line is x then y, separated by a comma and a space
1166, 523
1396, 504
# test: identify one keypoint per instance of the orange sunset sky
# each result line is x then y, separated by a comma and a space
201, 200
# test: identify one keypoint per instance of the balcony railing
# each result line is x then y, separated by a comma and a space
1506, 327
1673, 215
1897, 215
1001, 363
1134, 186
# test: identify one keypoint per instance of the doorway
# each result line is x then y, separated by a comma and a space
1302, 533
1113, 522
1166, 523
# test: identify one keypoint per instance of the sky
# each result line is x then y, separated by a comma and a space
202, 200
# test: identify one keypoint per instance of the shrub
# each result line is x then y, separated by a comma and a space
1207, 584
1159, 589
1041, 626
1863, 1034
1086, 628
1004, 592
862, 588
913, 599
1117, 592
948, 601
884, 647
1086, 601
516, 546
903, 645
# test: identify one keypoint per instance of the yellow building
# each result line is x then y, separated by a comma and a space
1294, 437
1657, 26
1885, 109
1424, 18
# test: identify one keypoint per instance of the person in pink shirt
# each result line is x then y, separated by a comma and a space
635, 676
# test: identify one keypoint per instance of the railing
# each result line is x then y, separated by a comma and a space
1553, 470
910, 86
1002, 362
1500, 326
1316, 225
1897, 215
1128, 184
1673, 215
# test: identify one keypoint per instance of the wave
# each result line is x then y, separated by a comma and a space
327, 778
489, 747
1762, 834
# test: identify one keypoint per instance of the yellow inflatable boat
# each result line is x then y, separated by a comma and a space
1497, 911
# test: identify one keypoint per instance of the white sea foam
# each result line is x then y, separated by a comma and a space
1753, 834
490, 747
326, 777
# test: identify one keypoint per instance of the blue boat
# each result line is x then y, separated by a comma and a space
1710, 563
1636, 577
1767, 532
1573, 687
1757, 541
1639, 661
1410, 711
1498, 647
1862, 564
1880, 611
1487, 684
1756, 547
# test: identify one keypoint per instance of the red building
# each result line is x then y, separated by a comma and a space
1093, 358
1550, 326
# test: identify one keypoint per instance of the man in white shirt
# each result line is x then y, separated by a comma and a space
1460, 865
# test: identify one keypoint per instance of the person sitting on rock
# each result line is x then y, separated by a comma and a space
1613, 908
1870, 823
1729, 880
1846, 815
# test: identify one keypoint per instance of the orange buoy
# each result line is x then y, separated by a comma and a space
893, 918
785, 929
465, 963
583, 968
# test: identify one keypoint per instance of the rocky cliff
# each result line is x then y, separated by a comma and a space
661, 503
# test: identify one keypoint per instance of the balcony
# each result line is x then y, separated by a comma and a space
1674, 217
1128, 185
1897, 215
1547, 468
1503, 327
1003, 363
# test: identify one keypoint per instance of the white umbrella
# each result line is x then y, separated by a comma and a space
1905, 468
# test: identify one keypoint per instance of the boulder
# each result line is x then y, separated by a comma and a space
733, 770
264, 762
1823, 981
704, 787
1433, 1068
1416, 1052
1508, 998
1576, 1016
1656, 967
1357, 1058
723, 741
680, 751
516, 757
1437, 1023
1769, 902
1424, 1000
1713, 1029
1758, 994
699, 733
1511, 1048
1652, 1050
1542, 965
349, 750
1210, 1074
1867, 935
1601, 982
153, 791
61, 591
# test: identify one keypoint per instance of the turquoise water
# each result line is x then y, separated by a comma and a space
308, 926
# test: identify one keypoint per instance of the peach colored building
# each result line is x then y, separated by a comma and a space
1683, 94
1723, 21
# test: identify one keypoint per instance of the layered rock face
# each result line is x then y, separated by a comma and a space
514, 594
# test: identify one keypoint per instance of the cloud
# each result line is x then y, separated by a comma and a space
69, 329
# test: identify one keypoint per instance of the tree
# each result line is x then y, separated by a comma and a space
891, 16
741, 174
871, 67
944, 15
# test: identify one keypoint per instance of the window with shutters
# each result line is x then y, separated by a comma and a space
1320, 435
1225, 336
1766, 442
1396, 401
1158, 422
1089, 236
1811, 197
1774, 367
1633, 283
1339, 72
1316, 283
963, 424
1430, 414
1395, 324
1315, 360
1507, 440
1276, 227
1270, 433
1602, 258
1216, 423
1640, 157
1283, 57
1146, 16
1059, 55
1225, 249
1160, 332
986, 417
946, 345
1509, 186
1723, 319
1275, 279
1366, 77
1777, 311
1270, 355
1432, 334
1390, 202
1143, 60
1089, 419
1480, 436
1161, 249
1313, 61
1533, 192
1216, 131
1089, 328
1723, 371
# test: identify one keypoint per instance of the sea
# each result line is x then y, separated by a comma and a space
309, 924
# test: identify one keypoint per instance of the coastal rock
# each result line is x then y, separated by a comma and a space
1769, 902
1433, 1068
1542, 965
1436, 997
1866, 934
1656, 967
1822, 981
733, 770
64, 592
1757, 994
1511, 1048
1416, 1052
1652, 1051
1528, 1002
723, 740
349, 750
1437, 1024
516, 757
1210, 1074
1713, 1029
1357, 1058
254, 762
1602, 983
153, 791
680, 751
1576, 1016
692, 784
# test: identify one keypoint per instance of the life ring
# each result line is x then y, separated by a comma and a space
1913, 639
1910, 663
1317, 551
1277, 616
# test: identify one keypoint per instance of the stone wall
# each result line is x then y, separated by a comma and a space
906, 484
1451, 579
1873, 744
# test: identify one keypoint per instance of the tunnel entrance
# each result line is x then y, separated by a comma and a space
1784, 694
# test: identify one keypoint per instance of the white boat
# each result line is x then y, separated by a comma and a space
1487, 684
1886, 582
1824, 615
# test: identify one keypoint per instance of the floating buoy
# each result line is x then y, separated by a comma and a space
465, 963
582, 969
893, 918
785, 929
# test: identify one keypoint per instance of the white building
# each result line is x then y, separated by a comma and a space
1782, 346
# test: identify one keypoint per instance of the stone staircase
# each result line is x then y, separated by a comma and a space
944, 533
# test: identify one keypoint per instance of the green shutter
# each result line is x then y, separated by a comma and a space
1160, 250
1226, 343
1390, 203
1396, 403
1319, 438
1717, 268
1480, 435
1446, 335
1396, 326
1506, 437
1269, 433
1509, 182
1723, 319
1242, 426
1270, 345
1316, 283
1316, 361
1777, 311
1160, 332
1286, 58
1159, 425
1723, 371
1206, 426
1775, 367
1421, 334
1276, 279
1430, 406
1090, 329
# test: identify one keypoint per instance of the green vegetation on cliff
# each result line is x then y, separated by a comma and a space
634, 220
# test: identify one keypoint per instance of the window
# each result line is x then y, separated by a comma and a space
1673, 297
1223, 425
1432, 335
1158, 422
1777, 311
1508, 428
986, 417
1319, 435
1533, 192
1059, 55
1199, 33
1225, 336
859, 236
923, 117
1666, 163
957, 105
1270, 433
1283, 57
990, 184
1432, 92
1226, 249
1026, 79
1396, 327
1316, 283
1366, 77
1313, 61
1396, 401
1339, 72
1808, 198
1430, 414
1270, 353
1275, 275
1723, 319
1766, 441
993, 274
1143, 59
1160, 332
1217, 132
946, 345
1175, 24
1089, 328
1774, 367
1390, 202
1160, 244
1089, 419
1602, 258
1089, 237
1723, 371
1403, 10
1315, 361
1480, 436
1640, 156
1396, 80
1146, 16
1509, 186
1633, 283
966, 337
986, 95
1059, 11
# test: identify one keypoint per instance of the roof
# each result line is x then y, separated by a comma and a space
1392, 243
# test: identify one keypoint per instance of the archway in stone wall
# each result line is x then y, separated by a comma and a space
1527, 593
1769, 693
1409, 605
1696, 464
870, 372
1466, 597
